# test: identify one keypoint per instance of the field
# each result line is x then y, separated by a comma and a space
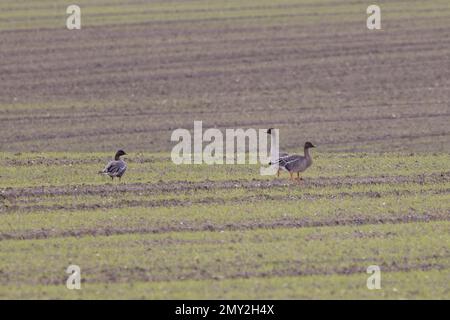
376, 103
233, 235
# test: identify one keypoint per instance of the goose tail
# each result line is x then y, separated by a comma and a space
277, 161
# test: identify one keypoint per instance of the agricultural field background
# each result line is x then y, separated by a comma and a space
376, 103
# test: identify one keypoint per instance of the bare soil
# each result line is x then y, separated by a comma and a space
338, 85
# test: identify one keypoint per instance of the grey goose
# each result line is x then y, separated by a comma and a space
281, 155
116, 167
296, 163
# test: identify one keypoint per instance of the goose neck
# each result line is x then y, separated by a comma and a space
307, 154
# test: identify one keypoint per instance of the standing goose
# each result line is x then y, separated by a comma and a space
296, 163
281, 155
117, 167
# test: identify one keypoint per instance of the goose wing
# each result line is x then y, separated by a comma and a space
281, 155
290, 162
115, 168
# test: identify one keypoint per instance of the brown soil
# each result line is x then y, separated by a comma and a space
132, 85
207, 226
165, 187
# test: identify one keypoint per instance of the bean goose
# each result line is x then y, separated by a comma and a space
281, 155
296, 163
117, 167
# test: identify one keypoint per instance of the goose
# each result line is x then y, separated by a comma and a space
296, 163
274, 140
116, 167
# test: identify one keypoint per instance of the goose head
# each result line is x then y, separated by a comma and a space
309, 145
119, 154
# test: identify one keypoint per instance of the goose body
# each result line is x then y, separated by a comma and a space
274, 141
116, 167
295, 163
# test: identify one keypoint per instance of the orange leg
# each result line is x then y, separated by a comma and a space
278, 173
292, 175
